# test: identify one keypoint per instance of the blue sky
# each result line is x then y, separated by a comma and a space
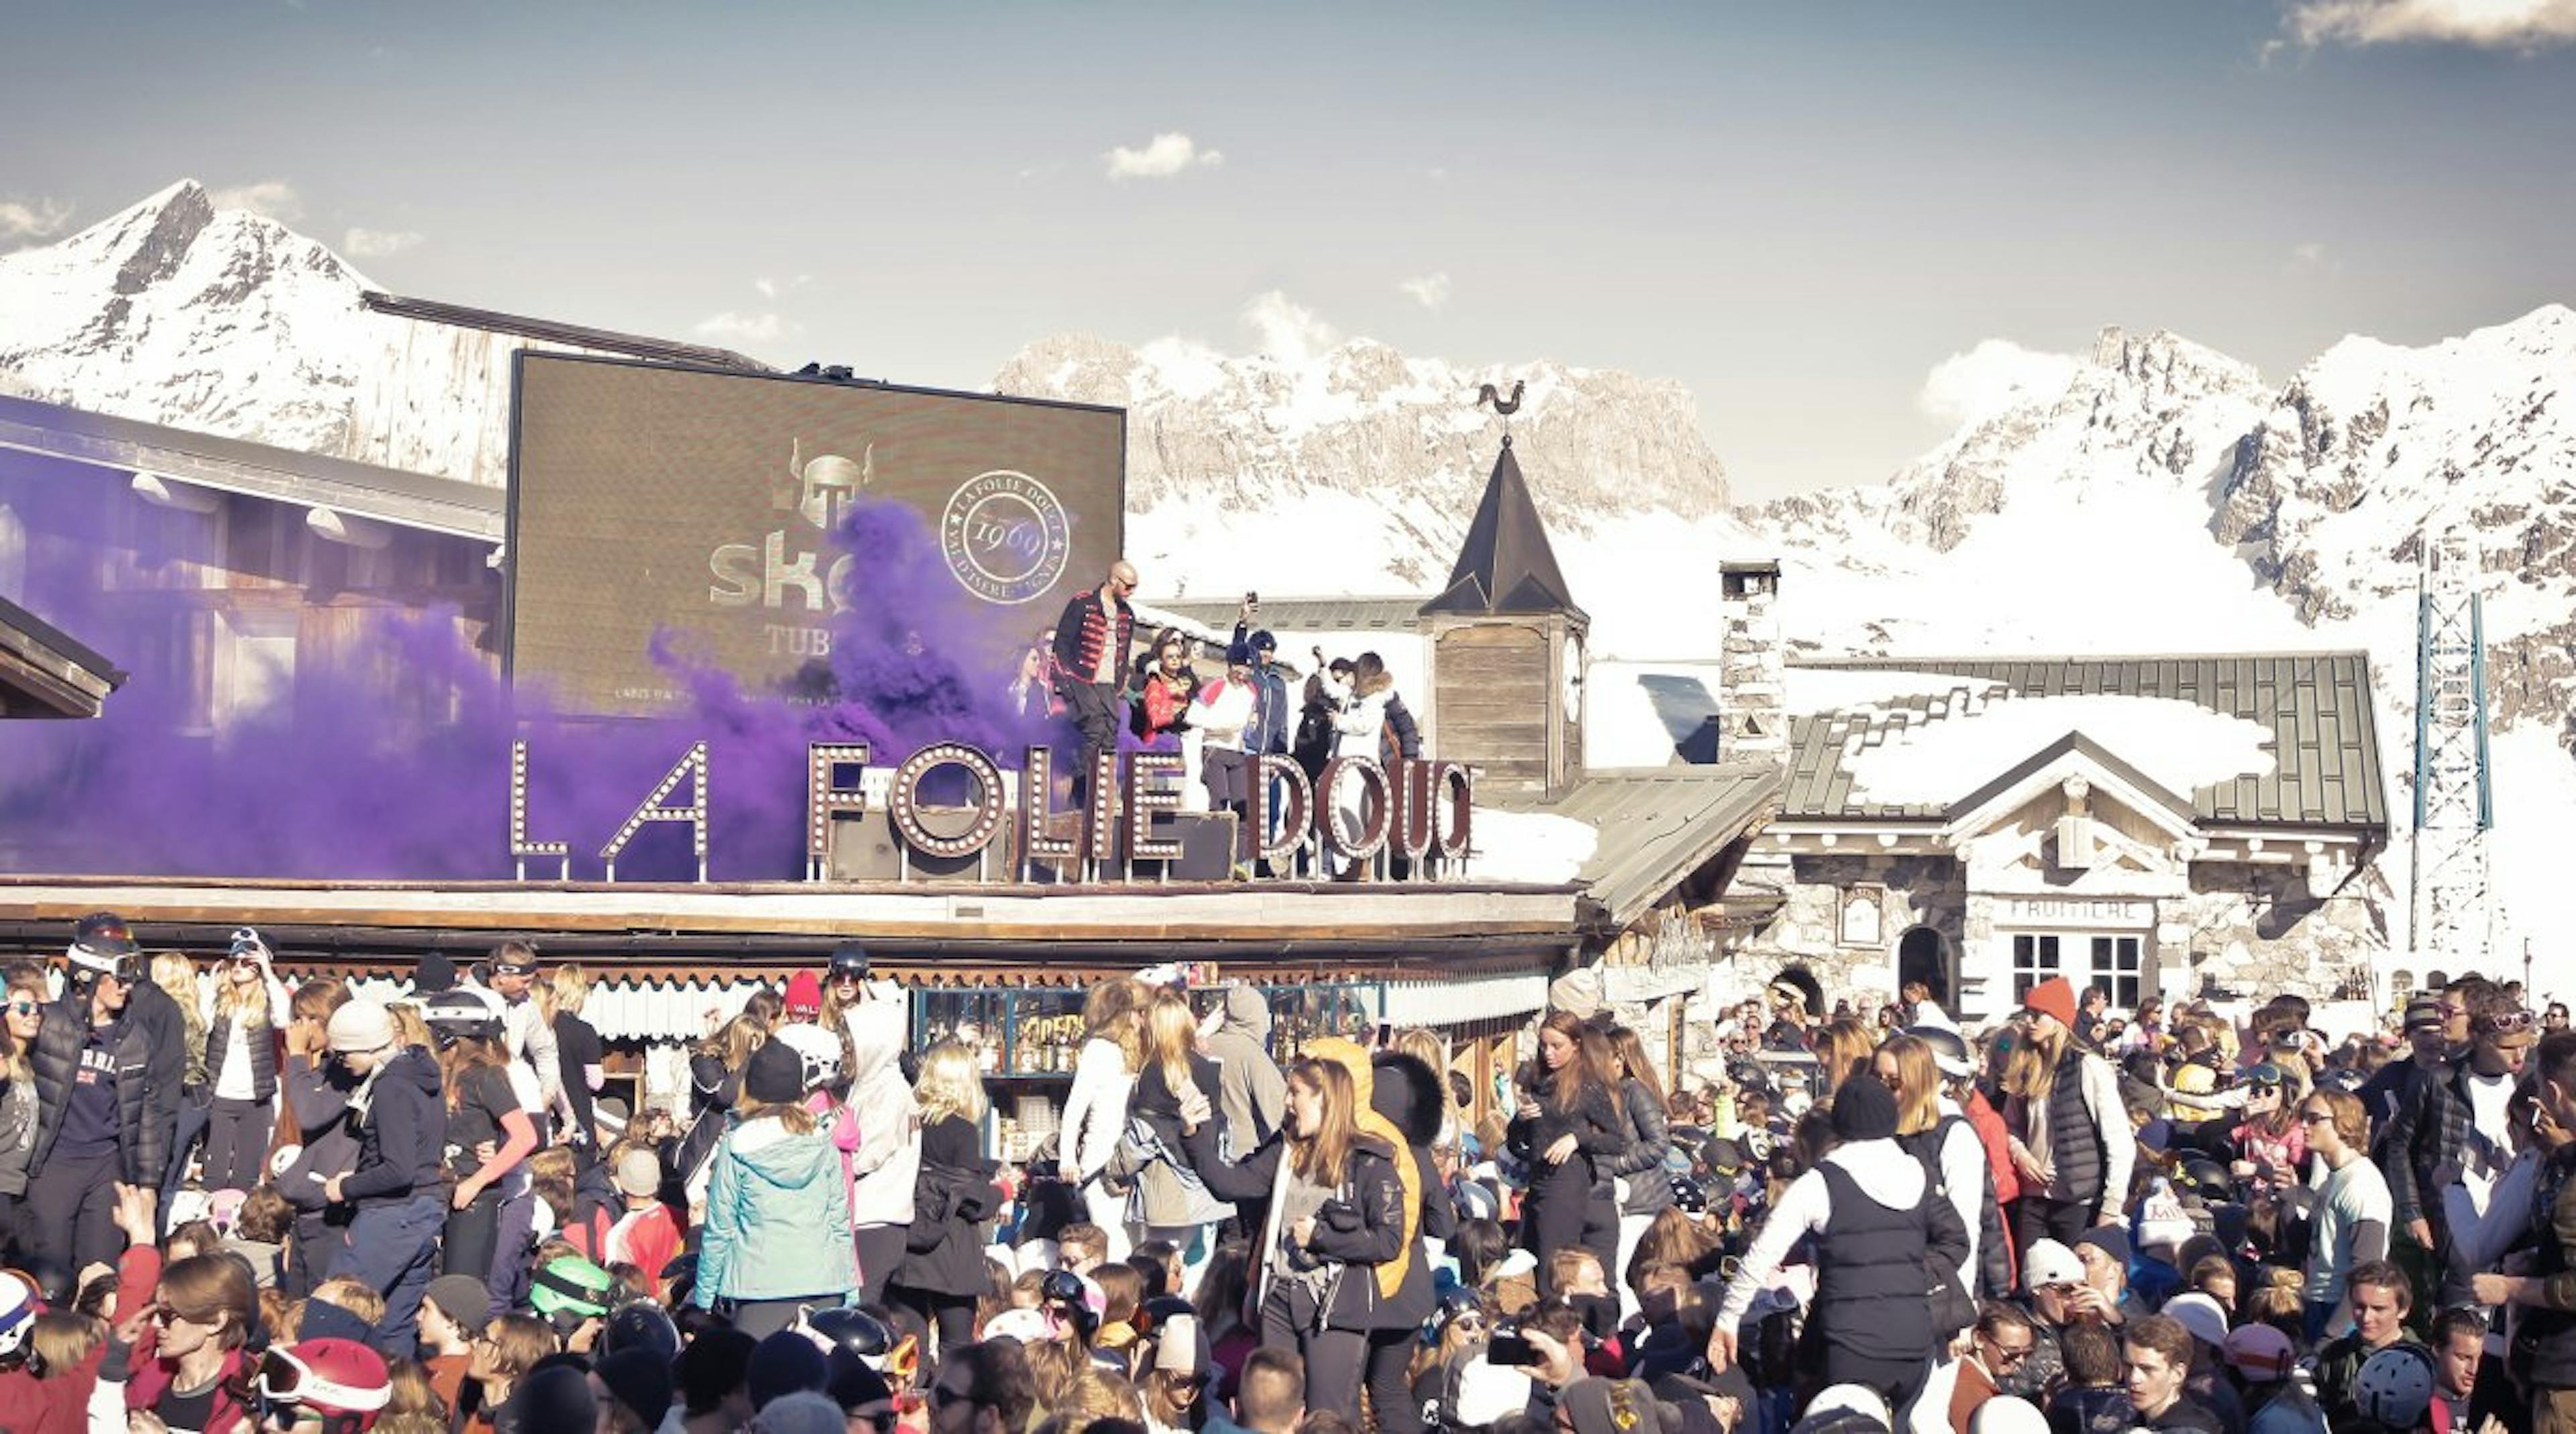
1797, 211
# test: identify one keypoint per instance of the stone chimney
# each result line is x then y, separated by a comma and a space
1752, 697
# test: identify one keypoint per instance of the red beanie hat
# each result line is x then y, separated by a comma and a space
805, 992
2054, 996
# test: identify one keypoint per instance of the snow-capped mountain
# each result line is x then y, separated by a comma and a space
1386, 452
2370, 444
2160, 497
177, 312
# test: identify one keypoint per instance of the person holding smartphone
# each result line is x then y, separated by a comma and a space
1336, 1216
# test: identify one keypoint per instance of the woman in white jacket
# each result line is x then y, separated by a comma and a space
1095, 1111
1223, 710
1358, 730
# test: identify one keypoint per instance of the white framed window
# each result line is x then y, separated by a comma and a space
2118, 968
2035, 959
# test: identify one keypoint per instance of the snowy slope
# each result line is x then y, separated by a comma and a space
180, 313
1383, 453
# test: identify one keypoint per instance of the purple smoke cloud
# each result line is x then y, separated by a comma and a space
387, 756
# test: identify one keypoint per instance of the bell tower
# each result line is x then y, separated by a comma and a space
1507, 646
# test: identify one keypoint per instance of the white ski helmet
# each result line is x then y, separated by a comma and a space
2395, 1386
818, 1048
18, 1310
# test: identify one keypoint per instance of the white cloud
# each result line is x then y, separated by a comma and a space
22, 220
1431, 291
270, 198
1994, 375
769, 288
376, 243
2311, 255
733, 328
2522, 25
1287, 330
1166, 155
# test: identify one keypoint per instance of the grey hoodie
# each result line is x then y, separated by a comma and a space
1251, 1094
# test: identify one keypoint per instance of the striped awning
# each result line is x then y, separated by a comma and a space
625, 1010
1457, 1003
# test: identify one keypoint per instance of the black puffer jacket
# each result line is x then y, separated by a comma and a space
259, 1040
151, 1063
1650, 1185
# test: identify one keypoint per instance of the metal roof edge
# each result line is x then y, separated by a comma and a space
1941, 660
424, 501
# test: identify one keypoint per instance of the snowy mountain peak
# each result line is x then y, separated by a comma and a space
1395, 446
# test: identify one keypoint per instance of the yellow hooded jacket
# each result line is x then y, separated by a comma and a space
1349, 1056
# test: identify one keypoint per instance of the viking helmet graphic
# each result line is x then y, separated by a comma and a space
826, 485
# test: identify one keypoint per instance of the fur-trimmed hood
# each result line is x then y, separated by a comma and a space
1407, 1092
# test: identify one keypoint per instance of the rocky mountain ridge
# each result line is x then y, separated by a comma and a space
177, 312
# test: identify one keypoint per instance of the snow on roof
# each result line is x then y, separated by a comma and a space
2183, 746
1537, 847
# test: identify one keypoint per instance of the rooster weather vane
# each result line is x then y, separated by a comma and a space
1487, 393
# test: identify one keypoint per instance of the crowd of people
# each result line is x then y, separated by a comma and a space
231, 1204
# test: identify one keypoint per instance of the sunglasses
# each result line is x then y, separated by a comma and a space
2507, 1023
2006, 1357
2315, 1117
2262, 1087
23, 1008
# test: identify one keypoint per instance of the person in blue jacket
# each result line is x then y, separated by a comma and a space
777, 1232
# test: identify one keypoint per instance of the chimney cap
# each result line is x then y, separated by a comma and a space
1756, 567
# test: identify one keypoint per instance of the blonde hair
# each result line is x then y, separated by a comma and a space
173, 972
65, 1339
410, 1028
1172, 1035
1918, 1079
792, 1114
244, 998
950, 1085
362, 1300
567, 988
1842, 1047
14, 1063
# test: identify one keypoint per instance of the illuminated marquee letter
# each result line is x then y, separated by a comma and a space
1453, 795
904, 800
1410, 817
1295, 813
1370, 839
692, 768
1102, 816
520, 847
1037, 813
1147, 793
824, 797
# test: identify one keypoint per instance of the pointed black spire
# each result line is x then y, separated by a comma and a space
1506, 565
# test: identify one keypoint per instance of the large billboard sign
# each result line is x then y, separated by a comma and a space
648, 497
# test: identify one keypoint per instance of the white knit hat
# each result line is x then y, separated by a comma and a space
362, 1026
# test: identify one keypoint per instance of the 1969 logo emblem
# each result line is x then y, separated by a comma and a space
1005, 536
